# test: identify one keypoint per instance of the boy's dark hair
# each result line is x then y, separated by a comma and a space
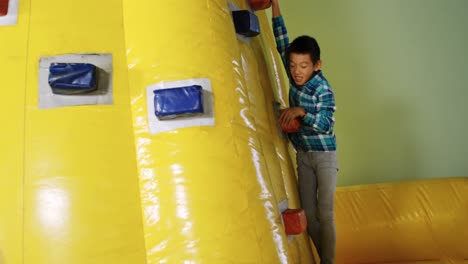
305, 45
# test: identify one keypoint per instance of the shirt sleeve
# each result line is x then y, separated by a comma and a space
281, 37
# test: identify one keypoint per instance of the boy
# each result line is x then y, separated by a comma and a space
312, 101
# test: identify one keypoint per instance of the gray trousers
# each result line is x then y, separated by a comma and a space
317, 172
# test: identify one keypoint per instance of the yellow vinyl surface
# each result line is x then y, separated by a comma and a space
80, 196
409, 222
90, 184
209, 194
13, 70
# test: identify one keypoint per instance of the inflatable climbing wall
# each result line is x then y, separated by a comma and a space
142, 131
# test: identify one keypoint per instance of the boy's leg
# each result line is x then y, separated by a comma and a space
326, 169
308, 196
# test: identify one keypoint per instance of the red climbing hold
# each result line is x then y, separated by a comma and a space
259, 4
4, 7
295, 221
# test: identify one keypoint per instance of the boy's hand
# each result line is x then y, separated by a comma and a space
289, 114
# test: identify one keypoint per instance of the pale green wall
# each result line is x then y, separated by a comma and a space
399, 69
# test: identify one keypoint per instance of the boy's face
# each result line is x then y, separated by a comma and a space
302, 68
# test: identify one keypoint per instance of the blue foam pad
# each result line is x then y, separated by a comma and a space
72, 78
180, 101
246, 23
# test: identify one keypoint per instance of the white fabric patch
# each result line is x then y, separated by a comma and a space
12, 16
103, 95
159, 126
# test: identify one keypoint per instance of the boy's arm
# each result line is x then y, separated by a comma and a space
281, 34
323, 121
275, 8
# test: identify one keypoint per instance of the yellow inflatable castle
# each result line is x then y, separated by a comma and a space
91, 172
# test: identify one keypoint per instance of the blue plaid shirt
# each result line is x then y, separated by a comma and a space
315, 96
